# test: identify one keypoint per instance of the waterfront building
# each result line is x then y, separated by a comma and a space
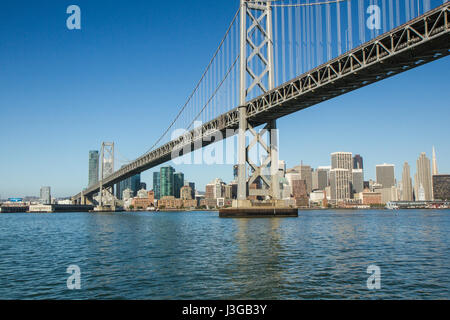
178, 183
317, 197
167, 181
46, 197
215, 189
170, 202
142, 194
358, 162
186, 193
357, 180
441, 186
385, 175
323, 177
133, 183
423, 177
127, 194
93, 167
407, 192
340, 185
144, 202
370, 198
305, 174
157, 184
388, 194
143, 186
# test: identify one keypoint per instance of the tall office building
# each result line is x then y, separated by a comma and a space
358, 162
132, 183
157, 185
178, 183
341, 175
407, 192
167, 181
315, 180
323, 174
93, 167
385, 175
342, 160
46, 197
358, 180
305, 174
192, 185
423, 177
339, 184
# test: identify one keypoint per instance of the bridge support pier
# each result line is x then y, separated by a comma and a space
257, 38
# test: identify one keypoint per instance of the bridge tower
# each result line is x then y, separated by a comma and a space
106, 167
256, 48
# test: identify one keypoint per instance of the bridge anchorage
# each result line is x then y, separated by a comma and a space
262, 100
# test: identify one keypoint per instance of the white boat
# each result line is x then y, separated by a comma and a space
391, 206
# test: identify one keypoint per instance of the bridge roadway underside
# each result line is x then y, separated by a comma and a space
413, 44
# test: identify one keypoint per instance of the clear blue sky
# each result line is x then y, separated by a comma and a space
124, 75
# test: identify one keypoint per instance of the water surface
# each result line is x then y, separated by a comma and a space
197, 255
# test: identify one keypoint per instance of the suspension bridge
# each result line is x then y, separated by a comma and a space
280, 57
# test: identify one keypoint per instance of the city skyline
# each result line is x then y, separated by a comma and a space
82, 106
347, 163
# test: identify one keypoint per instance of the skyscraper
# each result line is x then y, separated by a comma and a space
93, 167
132, 183
358, 180
342, 160
46, 195
358, 162
178, 183
341, 175
385, 175
157, 185
407, 192
435, 168
167, 181
305, 174
323, 174
340, 184
423, 177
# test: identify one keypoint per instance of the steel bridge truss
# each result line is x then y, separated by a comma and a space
413, 44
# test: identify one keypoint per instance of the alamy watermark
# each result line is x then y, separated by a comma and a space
74, 280
374, 280
73, 22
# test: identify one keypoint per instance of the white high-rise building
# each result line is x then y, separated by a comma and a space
340, 185
435, 168
407, 192
423, 178
341, 175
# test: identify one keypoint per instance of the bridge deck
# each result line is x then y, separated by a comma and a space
415, 43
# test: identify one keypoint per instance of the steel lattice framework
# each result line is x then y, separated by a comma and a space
410, 45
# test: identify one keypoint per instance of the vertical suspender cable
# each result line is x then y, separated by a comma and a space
350, 26
339, 35
329, 51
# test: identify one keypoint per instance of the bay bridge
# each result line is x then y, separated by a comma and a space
280, 57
